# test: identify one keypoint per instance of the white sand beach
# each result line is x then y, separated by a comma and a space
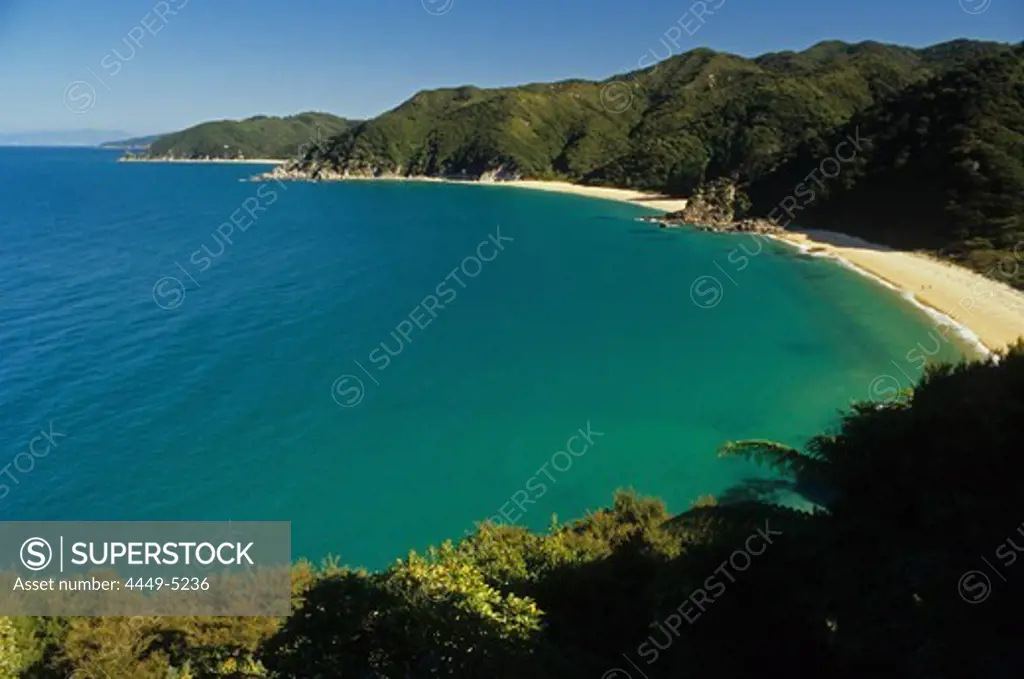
990, 309
655, 201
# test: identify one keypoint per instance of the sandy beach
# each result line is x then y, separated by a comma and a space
992, 311
655, 201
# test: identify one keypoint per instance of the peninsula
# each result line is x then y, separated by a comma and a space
260, 139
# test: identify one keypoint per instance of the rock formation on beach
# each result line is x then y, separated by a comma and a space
718, 205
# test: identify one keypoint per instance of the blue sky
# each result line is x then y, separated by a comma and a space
236, 58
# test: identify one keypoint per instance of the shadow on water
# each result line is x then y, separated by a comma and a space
784, 492
769, 491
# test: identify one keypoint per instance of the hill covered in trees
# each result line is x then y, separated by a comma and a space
256, 137
942, 168
891, 577
695, 116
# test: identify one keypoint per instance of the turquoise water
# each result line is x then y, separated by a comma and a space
226, 406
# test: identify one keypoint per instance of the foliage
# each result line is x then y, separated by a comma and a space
432, 616
11, 654
942, 168
697, 115
256, 137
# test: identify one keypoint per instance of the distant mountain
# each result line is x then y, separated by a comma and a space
256, 137
133, 143
60, 137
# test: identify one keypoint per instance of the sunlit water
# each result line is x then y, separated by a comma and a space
250, 381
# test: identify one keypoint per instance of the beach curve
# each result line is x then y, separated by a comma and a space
987, 313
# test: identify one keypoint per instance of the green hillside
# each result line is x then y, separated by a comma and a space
256, 137
695, 116
942, 168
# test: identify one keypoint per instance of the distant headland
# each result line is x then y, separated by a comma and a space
263, 138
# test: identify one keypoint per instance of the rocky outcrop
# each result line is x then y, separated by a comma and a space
311, 172
287, 172
718, 205
752, 225
130, 157
712, 204
500, 174
319, 171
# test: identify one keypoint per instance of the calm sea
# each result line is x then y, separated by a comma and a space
385, 363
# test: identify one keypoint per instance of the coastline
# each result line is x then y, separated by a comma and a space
654, 201
986, 314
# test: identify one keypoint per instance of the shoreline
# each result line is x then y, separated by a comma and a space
654, 201
235, 161
986, 314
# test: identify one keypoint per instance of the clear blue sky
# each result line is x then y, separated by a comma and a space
235, 58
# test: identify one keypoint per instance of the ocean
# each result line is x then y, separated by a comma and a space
385, 363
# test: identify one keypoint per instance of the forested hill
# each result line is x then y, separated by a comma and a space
256, 137
695, 116
941, 168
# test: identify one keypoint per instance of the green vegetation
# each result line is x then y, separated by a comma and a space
943, 171
256, 137
915, 493
11, 657
942, 168
695, 116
